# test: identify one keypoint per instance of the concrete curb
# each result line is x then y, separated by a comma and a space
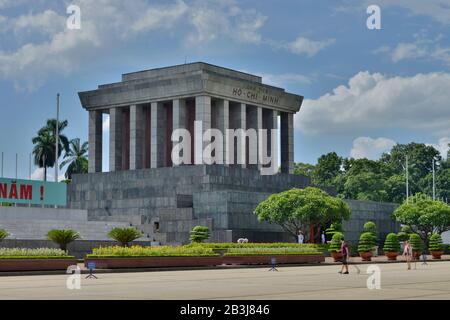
84, 271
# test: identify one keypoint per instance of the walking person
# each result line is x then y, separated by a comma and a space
345, 256
407, 252
301, 238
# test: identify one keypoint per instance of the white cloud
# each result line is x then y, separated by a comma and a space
407, 51
423, 47
438, 10
38, 174
366, 147
283, 79
442, 146
373, 101
308, 47
107, 24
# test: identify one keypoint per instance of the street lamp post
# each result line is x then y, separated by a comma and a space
434, 182
57, 137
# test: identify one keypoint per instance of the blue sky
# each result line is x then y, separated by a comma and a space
364, 89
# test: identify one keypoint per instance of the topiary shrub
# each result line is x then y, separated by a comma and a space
416, 242
335, 244
124, 235
404, 233
370, 226
391, 244
199, 234
436, 242
334, 227
3, 234
63, 237
367, 242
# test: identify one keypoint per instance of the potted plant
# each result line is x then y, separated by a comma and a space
365, 246
335, 246
391, 246
3, 234
371, 227
436, 248
416, 244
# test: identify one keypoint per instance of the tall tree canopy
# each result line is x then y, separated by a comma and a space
298, 209
44, 150
383, 179
424, 216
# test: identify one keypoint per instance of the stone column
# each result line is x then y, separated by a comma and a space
254, 121
241, 123
179, 115
158, 135
222, 112
287, 142
115, 139
203, 114
136, 137
95, 141
270, 121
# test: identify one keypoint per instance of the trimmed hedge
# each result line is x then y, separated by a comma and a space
367, 241
391, 244
261, 251
436, 242
416, 242
139, 251
39, 253
335, 244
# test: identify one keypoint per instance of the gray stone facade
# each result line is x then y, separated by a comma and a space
166, 200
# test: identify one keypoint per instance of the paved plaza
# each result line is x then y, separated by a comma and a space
430, 281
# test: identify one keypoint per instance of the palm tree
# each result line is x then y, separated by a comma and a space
76, 158
44, 144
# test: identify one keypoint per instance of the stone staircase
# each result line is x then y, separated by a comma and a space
34, 223
174, 224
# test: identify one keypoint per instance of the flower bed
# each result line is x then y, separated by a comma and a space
18, 259
198, 255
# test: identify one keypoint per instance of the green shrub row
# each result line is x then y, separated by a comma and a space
162, 251
258, 251
42, 253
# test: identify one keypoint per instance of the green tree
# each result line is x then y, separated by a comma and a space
124, 235
424, 216
304, 169
303, 210
44, 142
63, 237
416, 242
365, 186
199, 234
367, 242
328, 168
75, 158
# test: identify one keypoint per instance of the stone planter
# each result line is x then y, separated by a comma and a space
391, 255
337, 256
153, 262
366, 256
35, 264
437, 254
417, 254
280, 259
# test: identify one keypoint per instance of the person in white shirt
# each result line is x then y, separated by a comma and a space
300, 237
323, 238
